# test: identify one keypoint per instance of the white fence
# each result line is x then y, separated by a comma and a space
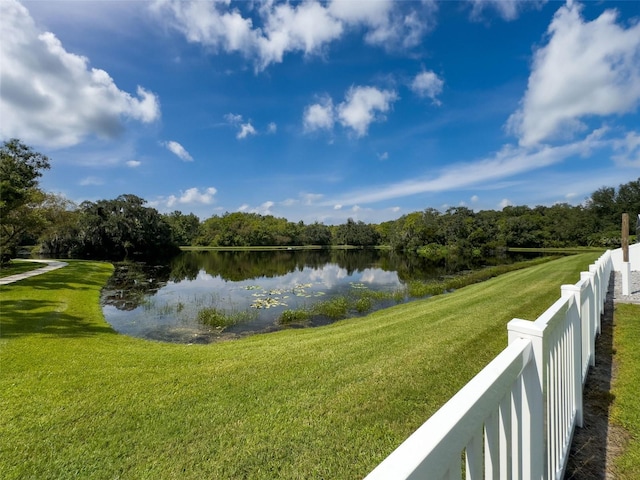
515, 419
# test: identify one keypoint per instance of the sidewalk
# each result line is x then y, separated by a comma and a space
634, 290
50, 265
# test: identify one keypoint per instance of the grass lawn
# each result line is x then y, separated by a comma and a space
626, 406
80, 401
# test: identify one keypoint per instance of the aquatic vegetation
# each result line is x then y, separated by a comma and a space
214, 318
293, 316
162, 309
220, 319
275, 296
363, 304
418, 289
335, 308
268, 302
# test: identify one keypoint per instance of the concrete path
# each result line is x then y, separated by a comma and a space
50, 265
634, 289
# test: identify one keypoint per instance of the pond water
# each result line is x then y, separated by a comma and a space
177, 301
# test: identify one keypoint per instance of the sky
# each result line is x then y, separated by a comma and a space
325, 110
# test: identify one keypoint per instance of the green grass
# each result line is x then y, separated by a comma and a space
80, 401
565, 250
19, 266
626, 406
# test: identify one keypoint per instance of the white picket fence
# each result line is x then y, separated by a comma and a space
515, 419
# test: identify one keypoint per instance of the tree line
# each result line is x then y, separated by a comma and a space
125, 227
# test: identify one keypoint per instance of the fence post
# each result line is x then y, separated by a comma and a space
534, 447
576, 345
592, 312
598, 274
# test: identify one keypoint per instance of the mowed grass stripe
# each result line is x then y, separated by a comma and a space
80, 401
625, 411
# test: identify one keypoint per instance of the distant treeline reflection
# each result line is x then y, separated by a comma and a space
133, 280
246, 265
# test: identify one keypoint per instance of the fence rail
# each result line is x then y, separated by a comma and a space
516, 418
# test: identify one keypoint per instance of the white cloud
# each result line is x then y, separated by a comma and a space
383, 156
306, 27
629, 150
363, 106
427, 84
246, 129
233, 118
508, 9
264, 209
337, 206
319, 116
506, 163
272, 29
585, 69
133, 163
178, 150
272, 128
52, 97
474, 199
243, 208
505, 203
311, 198
387, 24
206, 23
372, 12
90, 181
193, 196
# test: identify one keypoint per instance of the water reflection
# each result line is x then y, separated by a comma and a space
164, 302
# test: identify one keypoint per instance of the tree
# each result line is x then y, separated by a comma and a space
20, 168
628, 199
356, 233
605, 208
60, 231
184, 228
316, 234
416, 229
602, 206
121, 228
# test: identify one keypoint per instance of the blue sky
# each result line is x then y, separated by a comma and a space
323, 111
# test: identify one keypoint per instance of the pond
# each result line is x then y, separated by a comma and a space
201, 297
